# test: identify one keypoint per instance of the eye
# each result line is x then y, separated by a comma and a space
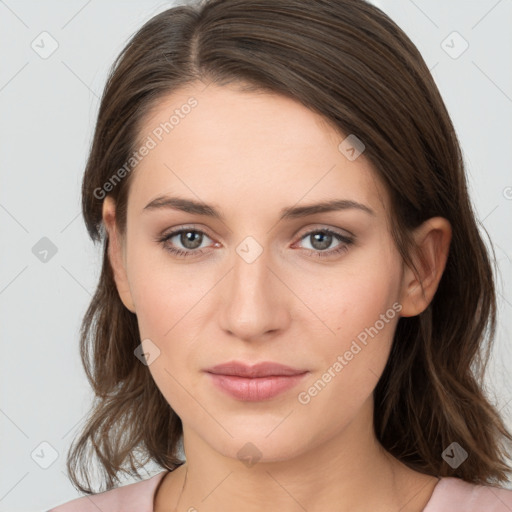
321, 239
189, 238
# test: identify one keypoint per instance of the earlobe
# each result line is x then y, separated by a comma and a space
432, 240
116, 253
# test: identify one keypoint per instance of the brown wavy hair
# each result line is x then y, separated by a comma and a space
349, 62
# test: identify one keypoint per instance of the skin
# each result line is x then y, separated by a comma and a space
250, 155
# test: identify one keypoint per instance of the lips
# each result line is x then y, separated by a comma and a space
264, 369
258, 382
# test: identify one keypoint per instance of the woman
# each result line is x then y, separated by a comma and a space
294, 290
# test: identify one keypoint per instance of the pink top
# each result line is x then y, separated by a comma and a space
450, 495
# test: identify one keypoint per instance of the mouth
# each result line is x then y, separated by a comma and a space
259, 382
264, 369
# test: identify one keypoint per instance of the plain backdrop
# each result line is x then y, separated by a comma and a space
48, 106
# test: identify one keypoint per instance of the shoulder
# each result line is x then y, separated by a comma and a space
456, 495
135, 497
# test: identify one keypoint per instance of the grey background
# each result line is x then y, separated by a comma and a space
48, 108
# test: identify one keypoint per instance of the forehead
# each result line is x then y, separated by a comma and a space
225, 146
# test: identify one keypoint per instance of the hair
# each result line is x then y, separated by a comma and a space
349, 62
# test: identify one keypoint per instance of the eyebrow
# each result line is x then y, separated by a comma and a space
292, 212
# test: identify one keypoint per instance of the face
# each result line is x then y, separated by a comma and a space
318, 291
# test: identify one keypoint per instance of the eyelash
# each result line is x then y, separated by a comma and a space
343, 247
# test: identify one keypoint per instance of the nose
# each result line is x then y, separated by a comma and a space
254, 301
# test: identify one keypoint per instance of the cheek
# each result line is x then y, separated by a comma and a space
355, 295
366, 302
360, 306
168, 313
364, 318
166, 295
169, 301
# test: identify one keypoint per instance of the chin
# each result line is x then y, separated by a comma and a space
259, 442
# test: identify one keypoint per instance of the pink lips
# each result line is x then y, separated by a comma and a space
254, 383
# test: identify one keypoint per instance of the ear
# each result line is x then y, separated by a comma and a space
116, 253
432, 240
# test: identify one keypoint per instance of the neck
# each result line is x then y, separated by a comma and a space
349, 471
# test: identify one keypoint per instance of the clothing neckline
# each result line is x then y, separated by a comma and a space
159, 477
427, 508
434, 496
